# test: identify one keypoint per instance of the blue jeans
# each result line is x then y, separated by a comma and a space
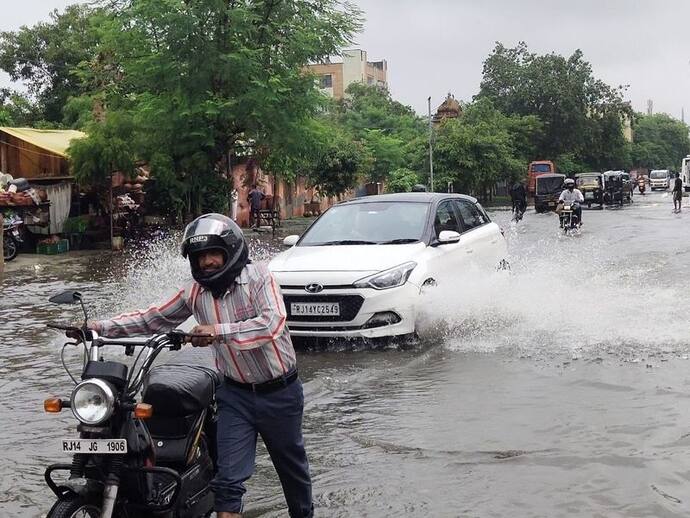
277, 417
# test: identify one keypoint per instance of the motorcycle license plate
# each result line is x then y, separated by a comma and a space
93, 446
552, 204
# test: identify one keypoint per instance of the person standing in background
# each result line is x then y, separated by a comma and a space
254, 198
677, 193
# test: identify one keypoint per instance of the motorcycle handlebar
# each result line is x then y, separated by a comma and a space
175, 337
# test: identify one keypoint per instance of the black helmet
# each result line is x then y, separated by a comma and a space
419, 187
215, 232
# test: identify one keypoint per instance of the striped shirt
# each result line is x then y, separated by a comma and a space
252, 338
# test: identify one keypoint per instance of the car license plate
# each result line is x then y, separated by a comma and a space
93, 446
315, 309
589, 195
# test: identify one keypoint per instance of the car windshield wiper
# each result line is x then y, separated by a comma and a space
400, 241
347, 242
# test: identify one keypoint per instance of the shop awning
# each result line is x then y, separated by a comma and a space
55, 141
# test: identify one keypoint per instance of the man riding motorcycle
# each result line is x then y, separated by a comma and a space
518, 195
572, 195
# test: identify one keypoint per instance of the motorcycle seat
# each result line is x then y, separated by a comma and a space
180, 390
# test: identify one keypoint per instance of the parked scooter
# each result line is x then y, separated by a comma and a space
135, 459
11, 238
568, 219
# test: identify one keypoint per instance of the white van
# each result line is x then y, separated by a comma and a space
659, 179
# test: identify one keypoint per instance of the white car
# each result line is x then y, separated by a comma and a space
358, 270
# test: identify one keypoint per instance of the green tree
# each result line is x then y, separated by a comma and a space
392, 134
661, 142
197, 77
16, 109
402, 180
481, 148
333, 161
46, 56
581, 115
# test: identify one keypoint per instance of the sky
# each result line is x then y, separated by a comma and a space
436, 47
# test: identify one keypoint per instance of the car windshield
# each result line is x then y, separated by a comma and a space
369, 224
541, 168
589, 181
658, 174
549, 185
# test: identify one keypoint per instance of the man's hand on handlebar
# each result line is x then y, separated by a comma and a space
208, 335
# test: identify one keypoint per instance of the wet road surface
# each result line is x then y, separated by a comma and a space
560, 389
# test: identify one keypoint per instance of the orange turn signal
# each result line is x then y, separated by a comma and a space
143, 411
52, 405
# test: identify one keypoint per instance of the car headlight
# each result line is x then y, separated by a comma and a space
92, 401
388, 278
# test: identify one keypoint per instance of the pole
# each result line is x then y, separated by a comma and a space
112, 234
2, 257
431, 151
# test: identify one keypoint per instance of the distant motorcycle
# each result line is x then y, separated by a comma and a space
568, 219
11, 239
641, 187
518, 210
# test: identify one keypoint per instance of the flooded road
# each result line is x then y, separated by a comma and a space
562, 389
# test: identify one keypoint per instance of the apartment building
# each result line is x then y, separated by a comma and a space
334, 78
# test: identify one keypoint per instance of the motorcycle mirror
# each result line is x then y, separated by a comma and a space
66, 297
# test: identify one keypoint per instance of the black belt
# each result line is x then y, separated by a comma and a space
266, 386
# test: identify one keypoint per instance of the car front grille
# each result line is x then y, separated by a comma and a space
349, 307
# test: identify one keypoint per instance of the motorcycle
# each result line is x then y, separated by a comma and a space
641, 186
518, 210
134, 459
568, 219
11, 238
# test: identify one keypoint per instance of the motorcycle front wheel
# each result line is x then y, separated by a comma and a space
75, 508
9, 248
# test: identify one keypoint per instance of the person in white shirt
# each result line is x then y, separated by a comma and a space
571, 194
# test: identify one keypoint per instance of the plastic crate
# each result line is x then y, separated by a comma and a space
60, 247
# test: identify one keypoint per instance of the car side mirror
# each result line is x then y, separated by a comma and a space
448, 236
291, 240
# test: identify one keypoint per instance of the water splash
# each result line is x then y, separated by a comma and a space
570, 296
152, 270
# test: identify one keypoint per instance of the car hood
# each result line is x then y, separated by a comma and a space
344, 258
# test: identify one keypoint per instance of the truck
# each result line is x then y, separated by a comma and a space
659, 179
538, 168
685, 173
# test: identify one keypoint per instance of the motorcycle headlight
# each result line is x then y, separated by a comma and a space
93, 401
388, 278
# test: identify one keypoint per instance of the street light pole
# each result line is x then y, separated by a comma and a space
431, 152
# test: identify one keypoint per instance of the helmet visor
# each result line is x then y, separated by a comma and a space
204, 227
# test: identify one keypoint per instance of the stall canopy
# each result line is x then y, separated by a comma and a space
40, 156
34, 153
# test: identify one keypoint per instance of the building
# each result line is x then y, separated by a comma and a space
449, 109
334, 78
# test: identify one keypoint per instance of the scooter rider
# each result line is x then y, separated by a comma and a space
518, 195
573, 195
238, 304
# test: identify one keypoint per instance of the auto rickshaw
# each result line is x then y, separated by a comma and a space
617, 188
591, 185
547, 190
